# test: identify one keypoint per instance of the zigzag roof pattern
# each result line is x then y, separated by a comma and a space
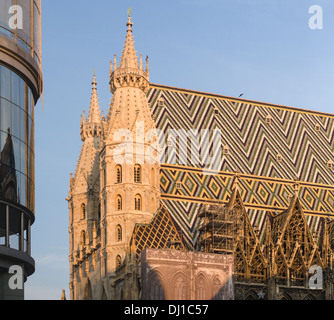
253, 143
158, 234
303, 138
188, 92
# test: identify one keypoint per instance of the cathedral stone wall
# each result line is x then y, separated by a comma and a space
181, 275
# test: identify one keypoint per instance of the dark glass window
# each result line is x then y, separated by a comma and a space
17, 158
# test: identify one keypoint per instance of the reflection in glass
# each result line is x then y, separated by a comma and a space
17, 153
23, 158
17, 160
8, 181
16, 114
23, 183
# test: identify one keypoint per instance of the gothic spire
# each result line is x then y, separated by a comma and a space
92, 126
130, 72
129, 57
94, 110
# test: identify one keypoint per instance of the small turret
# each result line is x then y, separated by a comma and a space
63, 295
115, 62
147, 67
92, 126
130, 73
141, 62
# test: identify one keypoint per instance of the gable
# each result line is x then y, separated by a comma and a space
161, 233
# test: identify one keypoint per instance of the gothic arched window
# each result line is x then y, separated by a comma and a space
118, 233
118, 262
119, 174
217, 289
137, 173
138, 202
156, 291
200, 288
118, 203
83, 211
99, 212
83, 238
180, 289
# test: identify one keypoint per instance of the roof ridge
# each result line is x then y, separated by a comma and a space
254, 102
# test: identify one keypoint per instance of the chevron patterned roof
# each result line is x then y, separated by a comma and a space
304, 139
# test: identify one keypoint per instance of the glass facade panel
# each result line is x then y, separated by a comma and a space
26, 7
23, 163
37, 31
17, 90
5, 115
17, 158
4, 12
6, 80
22, 192
28, 38
16, 132
17, 154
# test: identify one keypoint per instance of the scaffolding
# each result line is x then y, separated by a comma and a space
219, 229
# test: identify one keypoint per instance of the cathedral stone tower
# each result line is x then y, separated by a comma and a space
129, 170
83, 200
116, 184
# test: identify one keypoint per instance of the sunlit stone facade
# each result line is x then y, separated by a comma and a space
256, 189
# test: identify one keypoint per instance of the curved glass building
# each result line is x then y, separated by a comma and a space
20, 89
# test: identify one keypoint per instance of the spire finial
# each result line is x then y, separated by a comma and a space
147, 67
129, 57
129, 24
236, 179
94, 110
115, 62
141, 62
94, 83
63, 295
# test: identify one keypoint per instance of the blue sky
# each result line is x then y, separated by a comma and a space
264, 49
